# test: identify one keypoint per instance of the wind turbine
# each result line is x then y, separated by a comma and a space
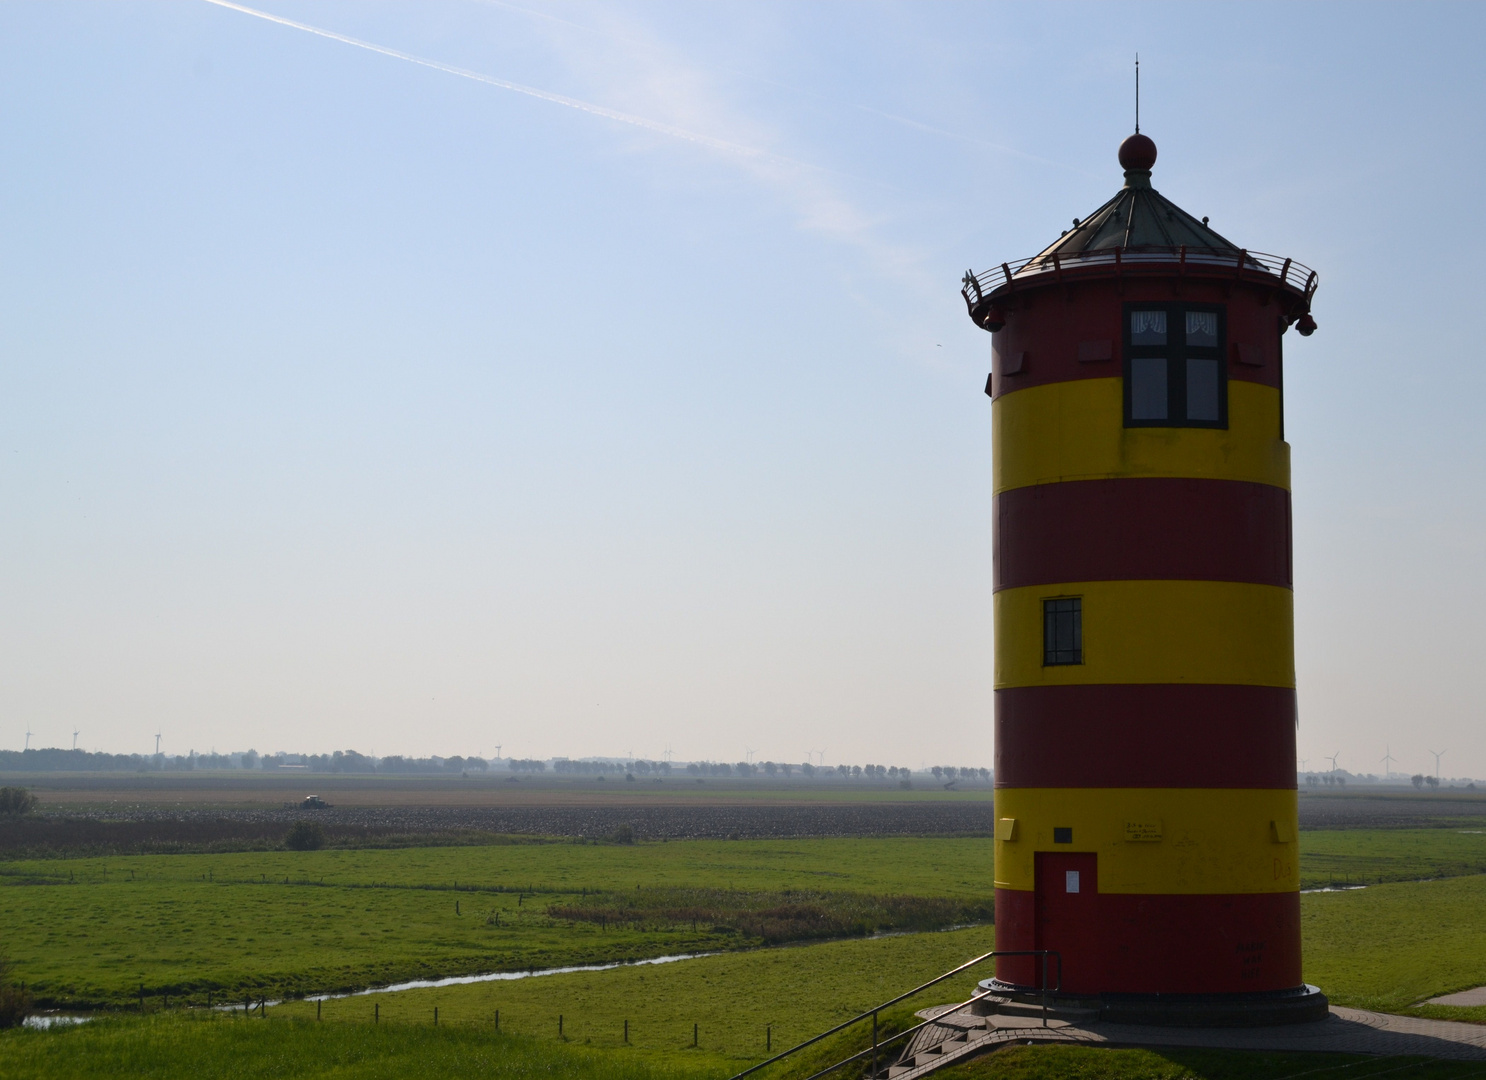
1303, 763
748, 750
497, 751
1332, 758
74, 738
157, 744
1437, 755
1387, 759
28, 736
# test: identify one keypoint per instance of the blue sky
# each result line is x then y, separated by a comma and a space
346, 401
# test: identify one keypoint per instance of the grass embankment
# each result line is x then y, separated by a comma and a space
90, 931
737, 1000
207, 1047
1374, 856
1091, 1063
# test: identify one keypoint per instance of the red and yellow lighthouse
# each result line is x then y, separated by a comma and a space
1144, 654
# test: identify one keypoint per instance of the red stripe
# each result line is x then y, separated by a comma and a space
1142, 529
1142, 735
1147, 944
1051, 335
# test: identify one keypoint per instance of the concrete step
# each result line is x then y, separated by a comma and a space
1071, 1013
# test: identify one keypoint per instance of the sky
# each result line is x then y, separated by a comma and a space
593, 379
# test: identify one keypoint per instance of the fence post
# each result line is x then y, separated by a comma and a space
559, 1025
435, 1016
626, 1031
768, 1038
377, 1013
693, 1035
141, 997
317, 1008
497, 1019
874, 1045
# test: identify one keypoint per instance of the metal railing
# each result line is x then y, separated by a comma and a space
1244, 265
871, 1014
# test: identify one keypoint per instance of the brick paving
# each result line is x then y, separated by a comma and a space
1345, 1031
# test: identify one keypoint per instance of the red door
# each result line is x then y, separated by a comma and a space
1068, 919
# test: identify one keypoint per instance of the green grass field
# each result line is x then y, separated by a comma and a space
91, 931
1371, 856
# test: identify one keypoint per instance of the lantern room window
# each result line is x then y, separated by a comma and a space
1174, 370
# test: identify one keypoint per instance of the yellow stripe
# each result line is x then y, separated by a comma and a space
1075, 431
1211, 841
1153, 632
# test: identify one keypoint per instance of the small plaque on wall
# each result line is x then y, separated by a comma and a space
1143, 832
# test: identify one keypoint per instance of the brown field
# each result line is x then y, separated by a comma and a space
256, 789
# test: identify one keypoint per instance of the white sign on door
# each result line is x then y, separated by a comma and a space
1070, 878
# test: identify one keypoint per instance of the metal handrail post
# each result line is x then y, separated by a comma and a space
873, 1073
1044, 988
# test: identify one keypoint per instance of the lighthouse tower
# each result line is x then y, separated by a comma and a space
1144, 655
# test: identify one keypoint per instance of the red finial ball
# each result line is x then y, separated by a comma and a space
1137, 152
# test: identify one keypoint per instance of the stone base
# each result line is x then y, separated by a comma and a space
1300, 1005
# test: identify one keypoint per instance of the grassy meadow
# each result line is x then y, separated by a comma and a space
279, 924
1374, 856
89, 932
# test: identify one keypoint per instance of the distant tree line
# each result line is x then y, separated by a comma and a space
600, 767
341, 761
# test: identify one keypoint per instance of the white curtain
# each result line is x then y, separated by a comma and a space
1148, 322
1202, 324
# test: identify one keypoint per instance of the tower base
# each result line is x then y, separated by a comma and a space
1300, 1005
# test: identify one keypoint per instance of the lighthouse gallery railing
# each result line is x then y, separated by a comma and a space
1251, 266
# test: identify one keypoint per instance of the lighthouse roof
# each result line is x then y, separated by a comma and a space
1137, 232
1139, 218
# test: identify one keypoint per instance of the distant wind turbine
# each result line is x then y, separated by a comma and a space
28, 736
1305, 761
74, 738
157, 742
497, 751
1332, 758
1387, 759
1437, 755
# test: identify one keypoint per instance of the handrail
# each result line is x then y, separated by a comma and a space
1254, 264
872, 1013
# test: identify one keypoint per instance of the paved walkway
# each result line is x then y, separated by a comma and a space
1345, 1031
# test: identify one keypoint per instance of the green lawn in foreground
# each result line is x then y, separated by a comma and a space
206, 1047
90, 931
1098, 1063
1389, 946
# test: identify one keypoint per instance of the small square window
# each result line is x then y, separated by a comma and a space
1147, 328
1062, 631
1148, 388
1062, 835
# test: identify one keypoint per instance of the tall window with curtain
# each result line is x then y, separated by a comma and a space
1174, 370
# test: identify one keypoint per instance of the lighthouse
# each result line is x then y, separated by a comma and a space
1146, 815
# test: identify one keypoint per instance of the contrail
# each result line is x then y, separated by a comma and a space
530, 91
